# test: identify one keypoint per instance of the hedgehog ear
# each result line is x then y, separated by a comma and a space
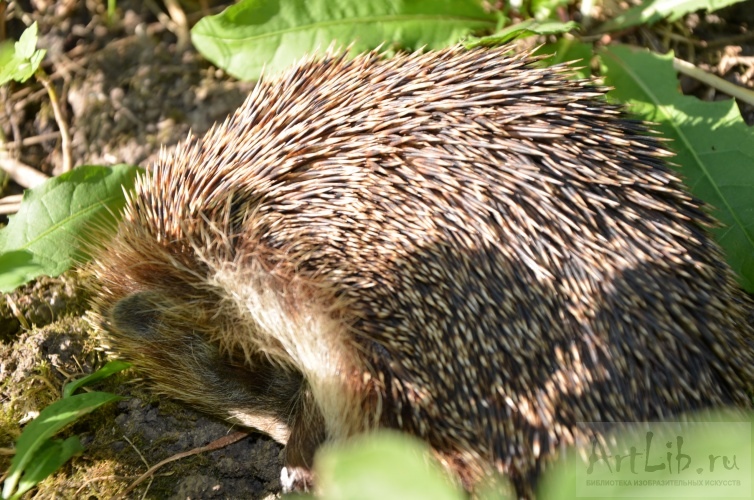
136, 315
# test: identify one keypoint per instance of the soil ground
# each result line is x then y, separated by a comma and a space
128, 88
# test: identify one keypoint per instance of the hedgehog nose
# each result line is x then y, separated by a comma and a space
136, 315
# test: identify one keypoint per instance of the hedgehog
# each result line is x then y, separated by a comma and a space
462, 245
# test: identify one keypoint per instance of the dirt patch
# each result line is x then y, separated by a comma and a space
124, 439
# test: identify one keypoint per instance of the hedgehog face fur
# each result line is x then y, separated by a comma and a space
457, 244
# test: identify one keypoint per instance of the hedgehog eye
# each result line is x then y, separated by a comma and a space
136, 314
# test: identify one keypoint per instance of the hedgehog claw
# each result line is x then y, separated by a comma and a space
295, 479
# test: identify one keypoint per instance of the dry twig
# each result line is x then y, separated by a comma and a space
214, 445
24, 175
62, 125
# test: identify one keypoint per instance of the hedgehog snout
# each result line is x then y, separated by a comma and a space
172, 340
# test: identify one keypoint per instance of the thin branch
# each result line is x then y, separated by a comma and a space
214, 445
62, 125
37, 139
23, 174
713, 81
10, 204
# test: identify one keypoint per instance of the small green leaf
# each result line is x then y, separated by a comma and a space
35, 60
57, 220
50, 420
275, 33
111, 368
28, 42
49, 458
7, 51
649, 12
530, 27
380, 466
20, 61
16, 268
552, 27
715, 147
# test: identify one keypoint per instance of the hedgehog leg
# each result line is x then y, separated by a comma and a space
307, 434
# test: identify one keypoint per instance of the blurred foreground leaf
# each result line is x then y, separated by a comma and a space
380, 466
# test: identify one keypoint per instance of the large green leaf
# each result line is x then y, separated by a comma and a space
651, 11
274, 33
57, 220
715, 147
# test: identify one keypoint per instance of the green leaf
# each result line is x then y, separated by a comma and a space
567, 49
111, 368
16, 268
715, 147
380, 466
49, 458
275, 33
50, 420
28, 42
649, 12
57, 220
530, 27
7, 51
20, 61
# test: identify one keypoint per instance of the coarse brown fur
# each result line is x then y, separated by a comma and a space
459, 244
